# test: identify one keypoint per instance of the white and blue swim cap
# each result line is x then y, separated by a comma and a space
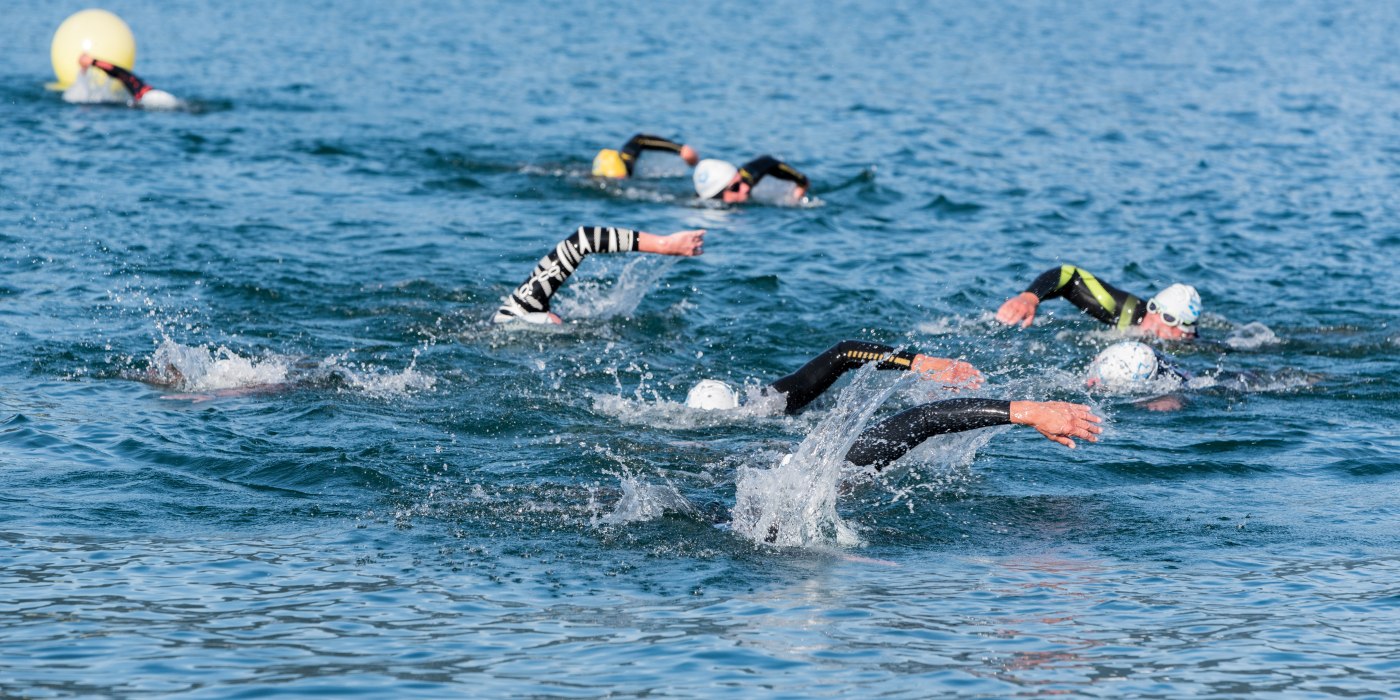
1179, 305
1123, 366
712, 395
712, 176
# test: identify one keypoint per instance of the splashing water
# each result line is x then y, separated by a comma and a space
1251, 336
95, 87
594, 299
201, 369
793, 504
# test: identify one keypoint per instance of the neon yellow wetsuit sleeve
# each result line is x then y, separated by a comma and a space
1093, 296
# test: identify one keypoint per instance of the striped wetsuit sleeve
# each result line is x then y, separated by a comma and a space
136, 86
1095, 297
806, 384
645, 142
533, 295
893, 437
765, 165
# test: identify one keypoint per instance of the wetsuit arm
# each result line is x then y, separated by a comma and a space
133, 84
645, 142
1099, 299
814, 378
533, 295
893, 437
764, 166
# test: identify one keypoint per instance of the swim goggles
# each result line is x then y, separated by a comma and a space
1170, 319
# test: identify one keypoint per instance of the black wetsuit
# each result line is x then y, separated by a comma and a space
645, 142
764, 166
136, 86
893, 437
554, 269
806, 384
890, 439
1096, 298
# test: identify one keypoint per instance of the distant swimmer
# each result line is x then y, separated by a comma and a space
142, 94
720, 179
1172, 314
530, 301
621, 163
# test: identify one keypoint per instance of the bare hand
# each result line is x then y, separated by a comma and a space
686, 243
1058, 420
1019, 309
954, 374
689, 155
84, 61
799, 192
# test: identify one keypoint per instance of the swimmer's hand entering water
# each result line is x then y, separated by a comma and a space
1058, 421
1019, 309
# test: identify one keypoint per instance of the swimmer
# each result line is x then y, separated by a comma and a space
1132, 367
720, 179
1170, 315
802, 387
142, 95
530, 301
620, 164
887, 441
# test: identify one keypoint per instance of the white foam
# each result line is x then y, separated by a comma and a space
641, 502
1251, 336
198, 368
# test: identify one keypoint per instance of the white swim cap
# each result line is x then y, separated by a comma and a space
1178, 304
712, 395
1123, 365
159, 99
712, 176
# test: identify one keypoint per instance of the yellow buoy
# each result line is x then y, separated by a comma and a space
100, 34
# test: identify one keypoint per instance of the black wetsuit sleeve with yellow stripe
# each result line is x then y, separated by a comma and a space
645, 142
892, 438
1095, 297
765, 166
806, 384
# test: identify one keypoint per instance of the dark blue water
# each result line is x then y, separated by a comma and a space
432, 506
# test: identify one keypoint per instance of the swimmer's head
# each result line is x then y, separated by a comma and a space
712, 395
1173, 312
712, 176
1123, 366
608, 163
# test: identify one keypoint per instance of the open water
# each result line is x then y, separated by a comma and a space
425, 506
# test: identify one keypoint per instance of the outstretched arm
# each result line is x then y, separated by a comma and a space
892, 438
814, 378
135, 85
765, 166
530, 301
646, 142
1094, 297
